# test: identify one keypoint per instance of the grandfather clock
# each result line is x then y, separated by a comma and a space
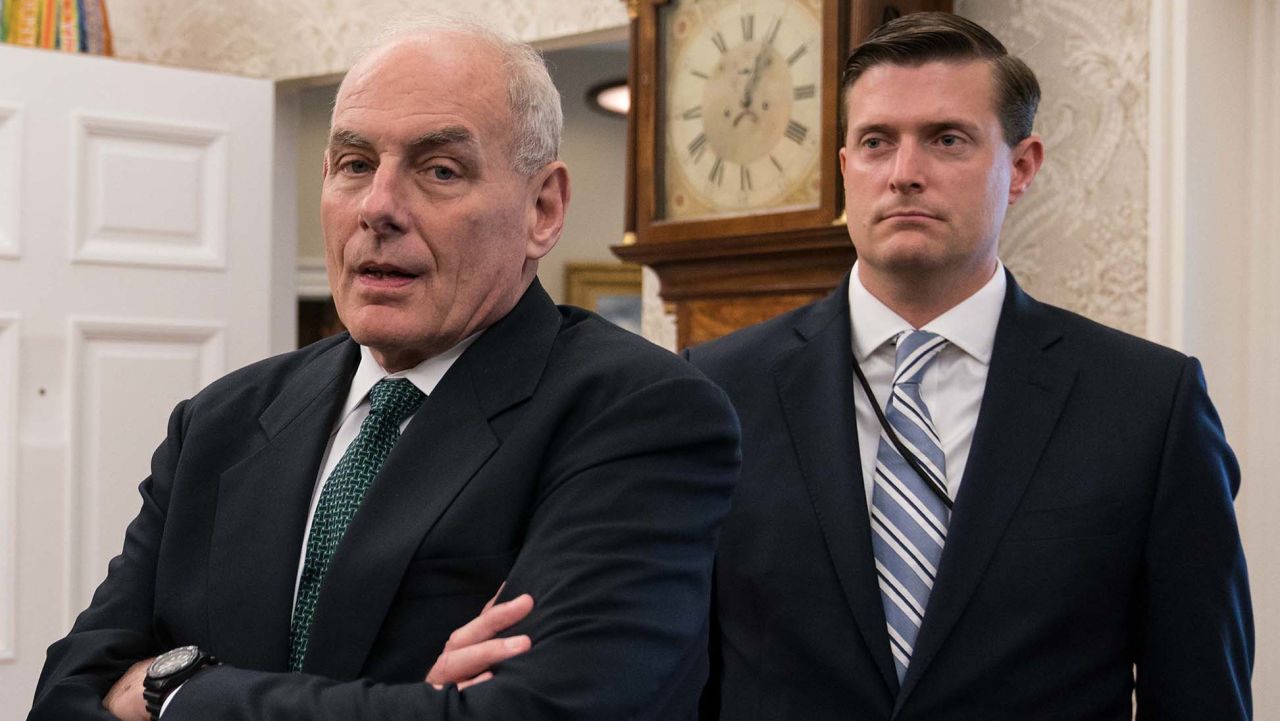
733, 178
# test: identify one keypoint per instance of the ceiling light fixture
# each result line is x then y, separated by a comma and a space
612, 98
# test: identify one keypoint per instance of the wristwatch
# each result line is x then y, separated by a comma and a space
168, 672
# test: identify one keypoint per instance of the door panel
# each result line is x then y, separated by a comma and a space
135, 265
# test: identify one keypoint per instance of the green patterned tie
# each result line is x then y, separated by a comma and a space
390, 402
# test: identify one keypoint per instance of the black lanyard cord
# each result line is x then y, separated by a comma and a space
907, 455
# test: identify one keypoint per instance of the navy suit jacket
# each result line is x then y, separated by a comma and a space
1093, 531
561, 454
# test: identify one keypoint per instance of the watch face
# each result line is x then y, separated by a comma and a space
173, 661
740, 118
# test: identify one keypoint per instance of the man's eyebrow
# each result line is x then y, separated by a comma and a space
951, 124
882, 128
450, 135
929, 128
350, 139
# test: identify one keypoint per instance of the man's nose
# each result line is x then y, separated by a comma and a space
382, 210
908, 169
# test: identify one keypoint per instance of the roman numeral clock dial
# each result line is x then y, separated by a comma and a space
741, 115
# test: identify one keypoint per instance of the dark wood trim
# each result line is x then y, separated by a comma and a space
629, 212
867, 15
830, 236
808, 261
645, 56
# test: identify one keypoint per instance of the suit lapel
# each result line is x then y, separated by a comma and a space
815, 388
262, 513
1025, 393
441, 450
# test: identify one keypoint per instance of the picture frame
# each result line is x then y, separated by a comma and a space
610, 289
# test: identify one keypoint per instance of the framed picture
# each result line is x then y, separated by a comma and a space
610, 289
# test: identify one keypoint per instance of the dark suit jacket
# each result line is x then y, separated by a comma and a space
560, 453
1093, 531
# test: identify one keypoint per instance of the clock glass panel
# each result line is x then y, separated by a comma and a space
740, 107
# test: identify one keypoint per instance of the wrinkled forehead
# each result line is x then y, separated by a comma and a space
432, 72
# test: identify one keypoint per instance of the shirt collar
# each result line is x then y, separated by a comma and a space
970, 325
425, 376
873, 322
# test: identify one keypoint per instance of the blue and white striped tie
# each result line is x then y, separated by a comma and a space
908, 518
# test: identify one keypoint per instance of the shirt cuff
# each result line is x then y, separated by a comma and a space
169, 699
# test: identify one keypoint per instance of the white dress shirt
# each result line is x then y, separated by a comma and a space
953, 385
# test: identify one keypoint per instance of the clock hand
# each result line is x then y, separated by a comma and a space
755, 77
762, 60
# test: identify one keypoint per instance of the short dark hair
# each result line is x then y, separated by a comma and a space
918, 38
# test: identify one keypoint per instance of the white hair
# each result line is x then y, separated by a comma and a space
531, 96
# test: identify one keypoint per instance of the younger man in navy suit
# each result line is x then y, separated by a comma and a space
958, 503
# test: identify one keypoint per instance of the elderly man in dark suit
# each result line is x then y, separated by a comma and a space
315, 525
958, 503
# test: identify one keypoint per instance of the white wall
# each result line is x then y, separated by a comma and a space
1215, 269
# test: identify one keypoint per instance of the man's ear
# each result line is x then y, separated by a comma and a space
551, 200
1028, 155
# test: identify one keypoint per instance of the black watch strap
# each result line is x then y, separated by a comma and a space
155, 701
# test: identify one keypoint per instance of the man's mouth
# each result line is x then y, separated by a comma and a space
384, 276
909, 215
384, 269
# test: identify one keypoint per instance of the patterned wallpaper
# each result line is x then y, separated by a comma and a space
1079, 238
304, 38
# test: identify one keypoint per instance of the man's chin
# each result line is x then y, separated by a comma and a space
379, 326
396, 351
907, 254
381, 337
396, 342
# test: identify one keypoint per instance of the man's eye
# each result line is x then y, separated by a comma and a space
872, 143
358, 167
441, 172
949, 141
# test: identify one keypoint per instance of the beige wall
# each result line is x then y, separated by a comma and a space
304, 38
313, 132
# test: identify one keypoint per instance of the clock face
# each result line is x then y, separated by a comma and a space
741, 114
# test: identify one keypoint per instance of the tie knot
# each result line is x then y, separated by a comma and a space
394, 399
916, 350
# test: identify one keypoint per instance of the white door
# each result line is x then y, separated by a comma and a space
135, 265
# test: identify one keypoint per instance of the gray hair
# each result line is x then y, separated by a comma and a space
531, 96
